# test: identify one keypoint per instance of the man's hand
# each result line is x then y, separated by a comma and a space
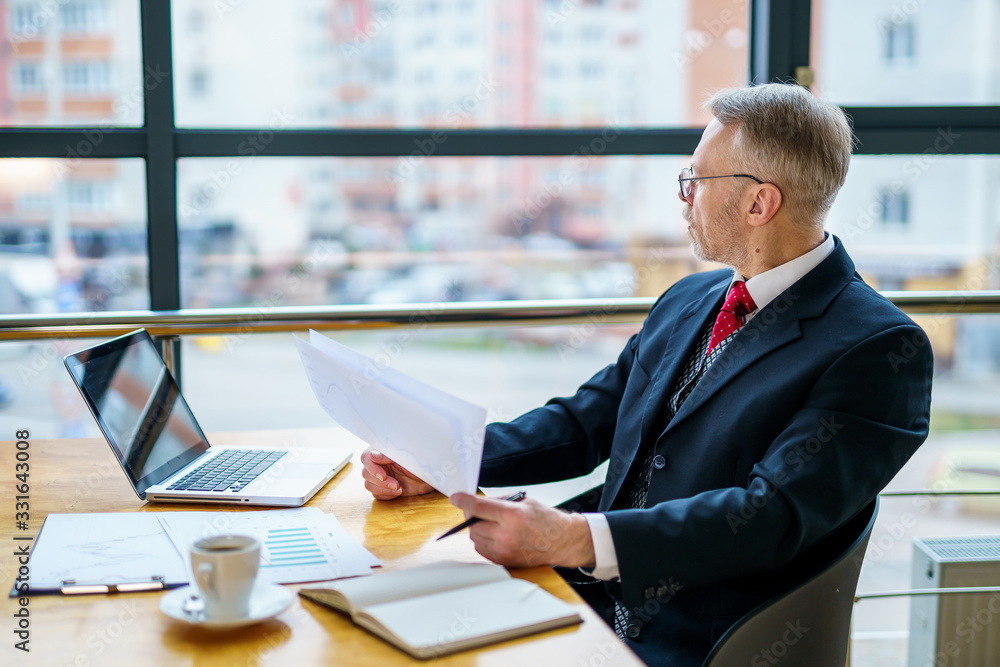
527, 533
386, 479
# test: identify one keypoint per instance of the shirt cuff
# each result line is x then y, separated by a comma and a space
605, 556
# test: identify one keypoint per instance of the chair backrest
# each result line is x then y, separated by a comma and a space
810, 625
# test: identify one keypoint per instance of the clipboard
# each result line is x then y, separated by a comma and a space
101, 553
73, 587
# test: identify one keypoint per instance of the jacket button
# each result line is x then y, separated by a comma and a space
632, 631
659, 462
649, 593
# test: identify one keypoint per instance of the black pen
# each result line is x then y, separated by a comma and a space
468, 522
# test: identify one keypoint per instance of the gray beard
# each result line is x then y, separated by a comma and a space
697, 249
732, 253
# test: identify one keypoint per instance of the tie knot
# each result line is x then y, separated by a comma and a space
739, 302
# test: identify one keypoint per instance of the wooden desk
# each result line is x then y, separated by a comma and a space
128, 629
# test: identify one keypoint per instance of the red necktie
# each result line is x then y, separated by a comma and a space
738, 304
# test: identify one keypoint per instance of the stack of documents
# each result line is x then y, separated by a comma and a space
76, 552
436, 436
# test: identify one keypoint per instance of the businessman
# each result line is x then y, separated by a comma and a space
757, 411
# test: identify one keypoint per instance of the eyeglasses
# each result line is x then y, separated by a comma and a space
686, 176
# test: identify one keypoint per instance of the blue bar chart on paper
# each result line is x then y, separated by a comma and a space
291, 547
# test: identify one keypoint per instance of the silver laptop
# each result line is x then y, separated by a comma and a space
164, 452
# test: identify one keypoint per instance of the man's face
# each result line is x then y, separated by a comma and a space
713, 213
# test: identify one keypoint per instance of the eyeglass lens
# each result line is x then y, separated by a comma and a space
684, 183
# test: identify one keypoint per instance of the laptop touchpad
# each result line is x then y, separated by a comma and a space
300, 470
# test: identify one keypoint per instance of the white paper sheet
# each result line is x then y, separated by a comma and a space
553, 493
431, 433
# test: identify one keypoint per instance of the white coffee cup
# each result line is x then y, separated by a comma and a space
224, 569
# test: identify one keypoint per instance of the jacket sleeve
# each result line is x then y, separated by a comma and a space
859, 423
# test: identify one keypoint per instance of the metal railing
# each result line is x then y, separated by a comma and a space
967, 590
229, 321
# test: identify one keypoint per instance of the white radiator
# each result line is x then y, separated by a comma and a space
955, 630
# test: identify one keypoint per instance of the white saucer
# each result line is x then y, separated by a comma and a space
267, 601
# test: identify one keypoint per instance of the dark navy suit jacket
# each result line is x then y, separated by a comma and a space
796, 427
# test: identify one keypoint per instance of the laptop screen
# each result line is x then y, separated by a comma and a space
139, 407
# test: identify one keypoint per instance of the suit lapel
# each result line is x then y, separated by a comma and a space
688, 328
767, 331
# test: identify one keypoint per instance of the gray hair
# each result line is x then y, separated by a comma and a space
787, 136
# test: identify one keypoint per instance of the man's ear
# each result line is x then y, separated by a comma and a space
765, 204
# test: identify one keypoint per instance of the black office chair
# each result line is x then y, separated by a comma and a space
773, 632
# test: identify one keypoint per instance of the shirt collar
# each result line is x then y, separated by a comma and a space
764, 287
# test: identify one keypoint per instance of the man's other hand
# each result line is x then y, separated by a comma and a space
386, 479
528, 533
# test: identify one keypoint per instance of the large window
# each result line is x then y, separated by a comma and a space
262, 154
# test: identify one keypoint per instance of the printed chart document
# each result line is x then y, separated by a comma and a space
434, 435
301, 544
445, 607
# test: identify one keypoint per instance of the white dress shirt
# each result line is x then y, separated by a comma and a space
763, 288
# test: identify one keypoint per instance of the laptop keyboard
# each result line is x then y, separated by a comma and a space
229, 471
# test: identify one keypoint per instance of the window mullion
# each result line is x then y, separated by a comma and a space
161, 159
779, 39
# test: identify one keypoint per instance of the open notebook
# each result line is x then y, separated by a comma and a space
445, 607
